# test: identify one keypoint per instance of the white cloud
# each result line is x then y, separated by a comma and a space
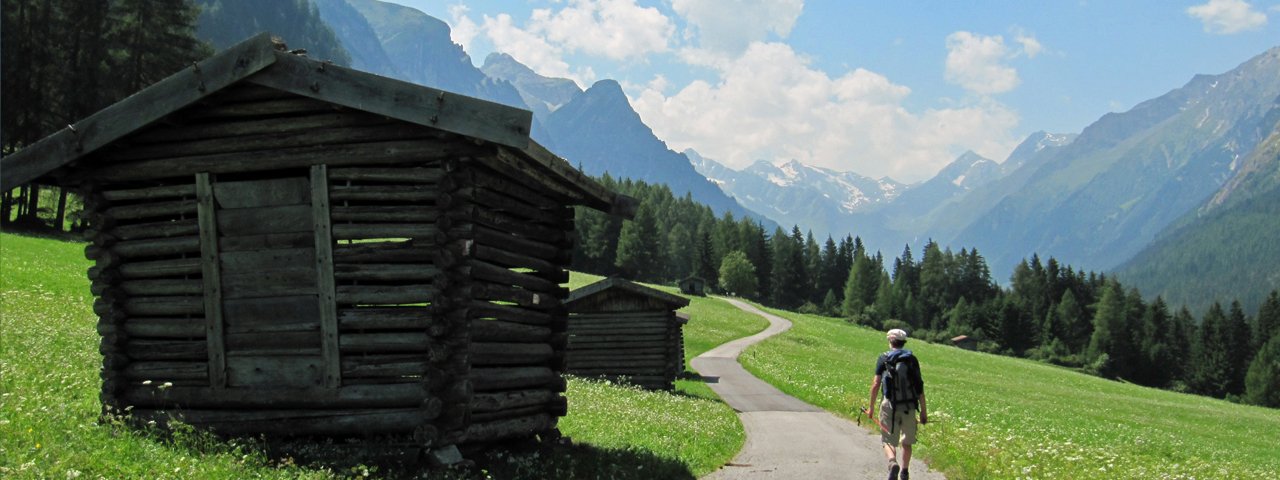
728, 27
526, 47
616, 29
463, 30
771, 104
974, 63
1225, 17
1030, 45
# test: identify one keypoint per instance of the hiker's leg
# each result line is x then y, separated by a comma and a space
908, 422
889, 438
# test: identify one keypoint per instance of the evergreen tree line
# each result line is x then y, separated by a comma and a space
66, 59
1048, 312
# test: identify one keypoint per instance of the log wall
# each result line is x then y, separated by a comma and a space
387, 278
267, 256
642, 347
506, 246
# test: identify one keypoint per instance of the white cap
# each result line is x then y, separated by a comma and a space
897, 334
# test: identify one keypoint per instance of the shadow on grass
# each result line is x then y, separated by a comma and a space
518, 460
396, 458
530, 460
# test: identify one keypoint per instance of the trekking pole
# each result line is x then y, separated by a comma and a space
867, 412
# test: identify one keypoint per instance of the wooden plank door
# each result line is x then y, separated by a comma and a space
272, 302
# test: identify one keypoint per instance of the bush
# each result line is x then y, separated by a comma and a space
810, 309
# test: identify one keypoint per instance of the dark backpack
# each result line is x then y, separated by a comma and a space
899, 377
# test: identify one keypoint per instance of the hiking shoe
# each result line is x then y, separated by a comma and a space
893, 472
905, 475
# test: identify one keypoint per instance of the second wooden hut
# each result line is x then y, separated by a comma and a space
621, 330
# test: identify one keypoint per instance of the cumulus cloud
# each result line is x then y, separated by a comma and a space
1030, 46
1225, 17
616, 29
613, 29
462, 29
726, 28
526, 47
975, 62
771, 104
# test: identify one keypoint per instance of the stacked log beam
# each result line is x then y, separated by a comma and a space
146, 275
645, 348
390, 287
512, 243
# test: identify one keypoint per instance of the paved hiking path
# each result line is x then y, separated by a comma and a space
787, 438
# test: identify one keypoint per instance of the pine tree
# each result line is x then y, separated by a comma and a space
725, 236
1210, 376
813, 269
1262, 382
1076, 326
831, 304
788, 280
829, 279
762, 257
1182, 331
1235, 334
704, 265
160, 37
1108, 330
934, 284
680, 251
638, 245
1154, 342
1269, 318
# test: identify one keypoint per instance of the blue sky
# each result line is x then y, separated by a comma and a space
879, 88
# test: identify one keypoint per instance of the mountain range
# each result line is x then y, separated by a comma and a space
1124, 195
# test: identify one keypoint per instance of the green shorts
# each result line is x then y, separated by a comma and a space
901, 424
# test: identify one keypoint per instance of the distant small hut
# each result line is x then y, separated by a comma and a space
618, 329
694, 286
287, 247
966, 342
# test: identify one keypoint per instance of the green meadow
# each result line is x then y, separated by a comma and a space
991, 416
50, 425
1000, 417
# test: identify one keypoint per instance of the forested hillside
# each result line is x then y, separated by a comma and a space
227, 22
1225, 249
1049, 311
65, 59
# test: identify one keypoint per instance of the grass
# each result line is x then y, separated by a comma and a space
50, 425
1000, 417
707, 432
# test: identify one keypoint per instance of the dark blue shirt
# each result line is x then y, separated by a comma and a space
882, 364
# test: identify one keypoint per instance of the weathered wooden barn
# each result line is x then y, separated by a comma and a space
622, 330
693, 286
284, 246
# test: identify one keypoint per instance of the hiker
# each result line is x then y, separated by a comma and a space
903, 397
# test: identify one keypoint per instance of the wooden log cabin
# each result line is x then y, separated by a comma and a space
282, 246
624, 331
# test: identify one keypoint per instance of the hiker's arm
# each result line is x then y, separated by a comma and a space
924, 411
875, 391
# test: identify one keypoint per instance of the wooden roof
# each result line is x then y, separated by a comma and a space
675, 301
256, 61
